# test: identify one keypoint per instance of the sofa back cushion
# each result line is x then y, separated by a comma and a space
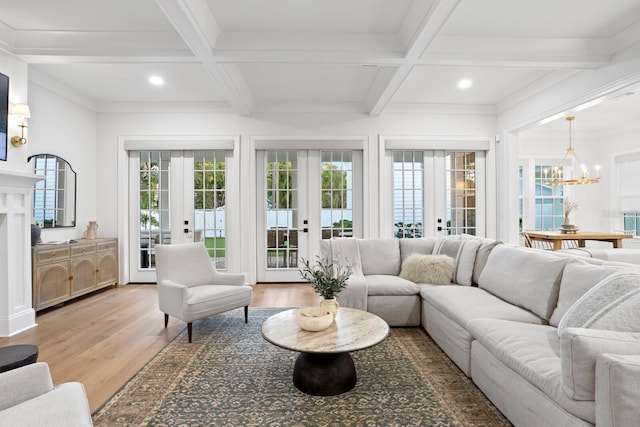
527, 278
416, 246
486, 246
380, 256
463, 253
577, 278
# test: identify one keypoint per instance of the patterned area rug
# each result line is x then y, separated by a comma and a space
230, 376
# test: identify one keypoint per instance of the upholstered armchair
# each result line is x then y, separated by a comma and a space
189, 287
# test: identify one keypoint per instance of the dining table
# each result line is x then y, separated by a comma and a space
555, 238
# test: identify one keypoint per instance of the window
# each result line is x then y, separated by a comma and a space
408, 179
549, 200
540, 204
628, 192
632, 223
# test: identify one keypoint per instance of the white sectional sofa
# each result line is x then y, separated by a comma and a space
551, 340
28, 398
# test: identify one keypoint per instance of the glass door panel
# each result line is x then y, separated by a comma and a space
337, 194
154, 214
281, 210
209, 204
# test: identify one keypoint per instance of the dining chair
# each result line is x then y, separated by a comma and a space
190, 288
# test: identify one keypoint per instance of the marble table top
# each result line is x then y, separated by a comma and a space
352, 330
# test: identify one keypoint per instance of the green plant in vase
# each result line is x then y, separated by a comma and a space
328, 279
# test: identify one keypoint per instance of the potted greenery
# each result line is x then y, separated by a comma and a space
328, 279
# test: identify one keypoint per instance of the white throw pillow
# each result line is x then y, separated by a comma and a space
433, 269
613, 304
463, 253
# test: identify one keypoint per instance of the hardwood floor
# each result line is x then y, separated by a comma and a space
103, 339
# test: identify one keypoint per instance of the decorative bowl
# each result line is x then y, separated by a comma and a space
314, 319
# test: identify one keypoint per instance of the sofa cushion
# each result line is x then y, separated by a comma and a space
612, 304
533, 352
577, 278
382, 284
380, 256
524, 277
463, 253
434, 269
462, 304
416, 246
581, 347
486, 246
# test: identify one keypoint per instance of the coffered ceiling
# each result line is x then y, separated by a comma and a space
364, 56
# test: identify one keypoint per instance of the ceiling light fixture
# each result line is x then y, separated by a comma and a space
557, 177
464, 84
156, 80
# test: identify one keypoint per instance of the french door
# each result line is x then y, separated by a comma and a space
437, 192
304, 196
176, 197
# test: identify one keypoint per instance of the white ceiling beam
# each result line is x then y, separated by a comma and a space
196, 24
433, 21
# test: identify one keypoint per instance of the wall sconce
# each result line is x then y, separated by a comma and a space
22, 111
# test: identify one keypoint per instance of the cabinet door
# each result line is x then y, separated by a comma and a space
52, 284
107, 272
83, 275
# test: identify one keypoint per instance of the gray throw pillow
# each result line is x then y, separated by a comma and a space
613, 304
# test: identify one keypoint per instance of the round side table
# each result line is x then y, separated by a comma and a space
15, 356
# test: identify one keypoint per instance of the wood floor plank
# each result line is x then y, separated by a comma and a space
104, 338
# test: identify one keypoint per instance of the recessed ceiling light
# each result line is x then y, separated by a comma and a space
156, 80
464, 84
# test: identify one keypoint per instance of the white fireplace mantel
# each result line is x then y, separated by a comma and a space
16, 309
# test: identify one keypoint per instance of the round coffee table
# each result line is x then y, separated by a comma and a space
324, 366
15, 356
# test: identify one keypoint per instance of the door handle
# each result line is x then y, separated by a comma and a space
305, 230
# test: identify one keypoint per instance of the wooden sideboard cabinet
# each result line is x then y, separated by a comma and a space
65, 271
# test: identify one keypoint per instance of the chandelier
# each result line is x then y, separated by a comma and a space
557, 177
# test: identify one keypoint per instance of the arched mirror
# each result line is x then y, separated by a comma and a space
54, 198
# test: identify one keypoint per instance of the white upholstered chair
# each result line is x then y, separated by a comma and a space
189, 287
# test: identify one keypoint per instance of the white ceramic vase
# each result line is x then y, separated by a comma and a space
330, 304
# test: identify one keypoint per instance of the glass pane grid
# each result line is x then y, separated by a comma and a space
549, 213
281, 210
209, 204
408, 178
337, 193
154, 215
460, 196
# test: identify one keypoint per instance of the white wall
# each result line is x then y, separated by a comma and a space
66, 129
17, 72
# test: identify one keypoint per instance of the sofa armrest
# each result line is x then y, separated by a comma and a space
24, 383
229, 279
617, 390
